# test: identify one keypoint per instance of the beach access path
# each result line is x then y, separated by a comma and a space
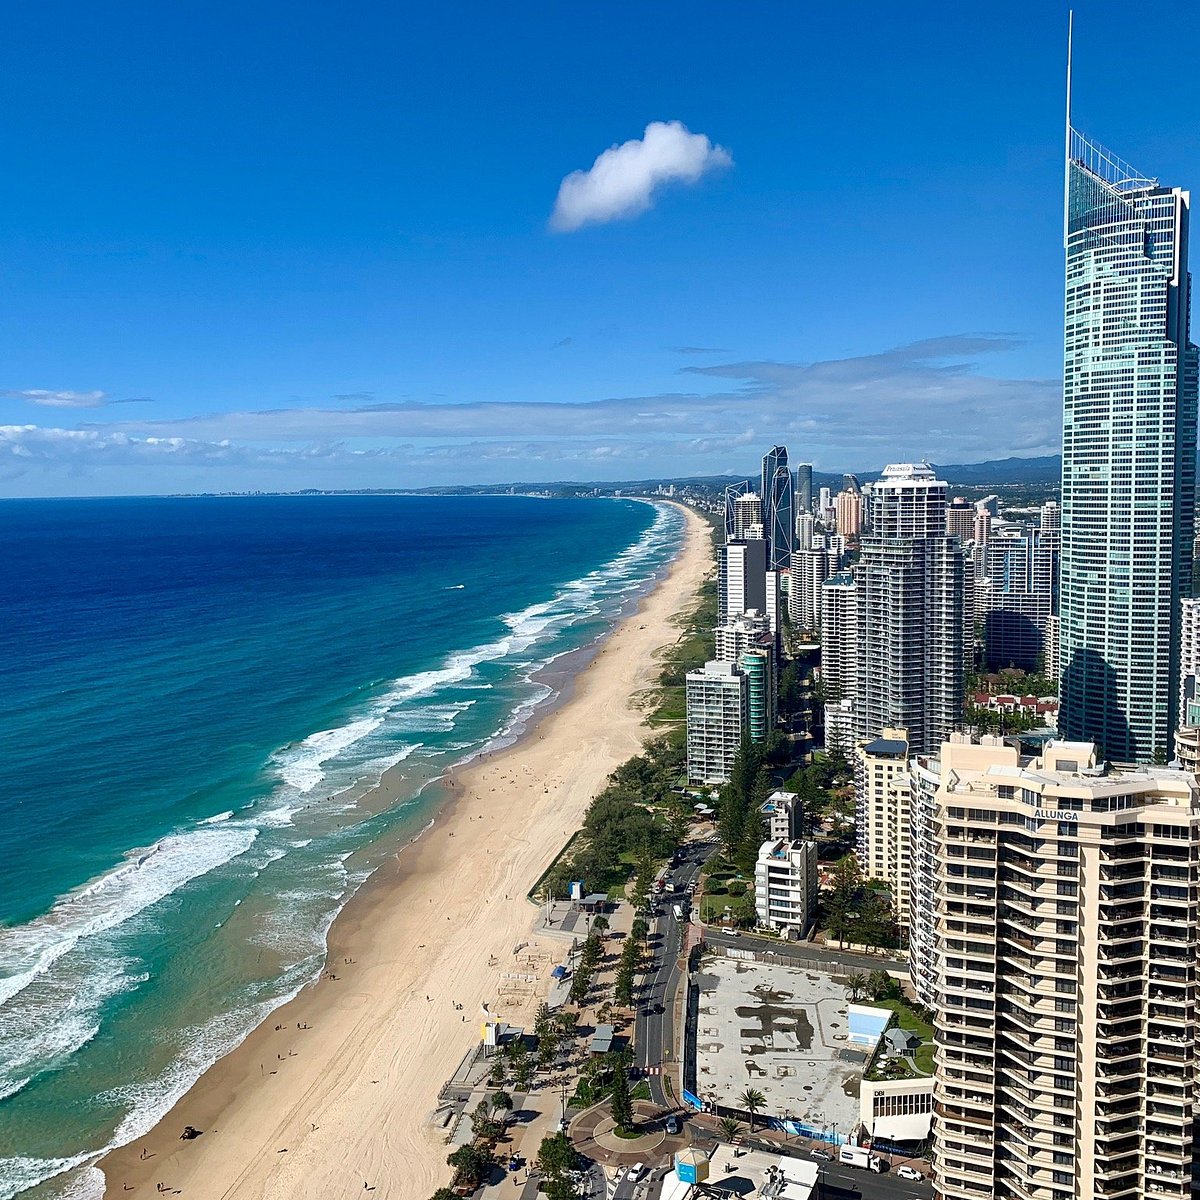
329, 1096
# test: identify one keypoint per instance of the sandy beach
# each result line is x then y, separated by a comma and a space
332, 1092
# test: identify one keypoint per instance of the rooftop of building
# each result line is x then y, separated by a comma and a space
883, 747
780, 848
906, 1049
783, 1031
747, 1173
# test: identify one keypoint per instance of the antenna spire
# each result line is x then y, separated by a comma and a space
1067, 137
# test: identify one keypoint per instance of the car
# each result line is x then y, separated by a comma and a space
673, 1125
636, 1172
821, 1155
910, 1173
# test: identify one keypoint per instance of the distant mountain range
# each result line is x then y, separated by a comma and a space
1046, 469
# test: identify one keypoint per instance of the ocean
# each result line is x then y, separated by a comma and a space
195, 695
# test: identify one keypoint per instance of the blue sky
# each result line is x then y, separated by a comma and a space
306, 245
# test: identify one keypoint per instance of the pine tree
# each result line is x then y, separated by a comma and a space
622, 1102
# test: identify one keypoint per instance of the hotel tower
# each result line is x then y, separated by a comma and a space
1129, 453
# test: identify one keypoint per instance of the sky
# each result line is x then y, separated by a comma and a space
279, 246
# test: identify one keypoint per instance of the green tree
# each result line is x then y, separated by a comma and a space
678, 823
843, 896
483, 1124
622, 1103
752, 1100
556, 1155
444, 1193
471, 1165
730, 1127
501, 1102
856, 985
882, 986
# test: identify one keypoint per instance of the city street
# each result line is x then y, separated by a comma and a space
655, 1028
803, 953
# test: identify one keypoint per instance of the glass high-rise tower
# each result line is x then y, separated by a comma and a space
1129, 454
779, 521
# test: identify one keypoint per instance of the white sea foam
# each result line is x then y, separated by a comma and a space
218, 819
144, 878
86, 1183
19, 1173
301, 765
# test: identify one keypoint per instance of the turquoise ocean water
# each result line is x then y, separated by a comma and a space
194, 694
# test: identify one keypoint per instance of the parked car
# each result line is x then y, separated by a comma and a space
909, 1173
822, 1155
673, 1125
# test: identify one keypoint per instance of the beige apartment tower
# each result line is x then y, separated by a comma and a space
881, 802
1064, 975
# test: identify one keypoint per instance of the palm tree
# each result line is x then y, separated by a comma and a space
730, 1127
752, 1100
857, 984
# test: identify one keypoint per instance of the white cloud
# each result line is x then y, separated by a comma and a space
623, 180
53, 399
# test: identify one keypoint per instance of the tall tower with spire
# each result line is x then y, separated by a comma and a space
1129, 452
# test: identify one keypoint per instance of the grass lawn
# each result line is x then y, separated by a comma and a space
909, 1021
671, 707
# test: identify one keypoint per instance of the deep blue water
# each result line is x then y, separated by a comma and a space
193, 695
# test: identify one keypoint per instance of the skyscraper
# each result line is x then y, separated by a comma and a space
910, 614
1129, 453
742, 509
742, 578
803, 491
779, 522
1064, 914
1017, 595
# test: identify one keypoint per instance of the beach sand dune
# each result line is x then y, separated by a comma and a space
334, 1090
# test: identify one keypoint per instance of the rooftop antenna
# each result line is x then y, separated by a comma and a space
1067, 142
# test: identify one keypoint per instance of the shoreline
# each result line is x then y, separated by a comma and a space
331, 1093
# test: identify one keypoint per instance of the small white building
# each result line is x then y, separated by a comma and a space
784, 814
785, 885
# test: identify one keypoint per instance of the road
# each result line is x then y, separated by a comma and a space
654, 1038
843, 1183
804, 953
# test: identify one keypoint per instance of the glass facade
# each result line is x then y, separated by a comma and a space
779, 521
1129, 455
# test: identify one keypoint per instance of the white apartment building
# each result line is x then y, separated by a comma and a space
747, 514
717, 713
839, 658
810, 569
1065, 922
805, 524
1187, 736
782, 812
881, 801
785, 885
741, 632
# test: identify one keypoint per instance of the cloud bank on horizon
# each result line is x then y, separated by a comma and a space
624, 179
926, 399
